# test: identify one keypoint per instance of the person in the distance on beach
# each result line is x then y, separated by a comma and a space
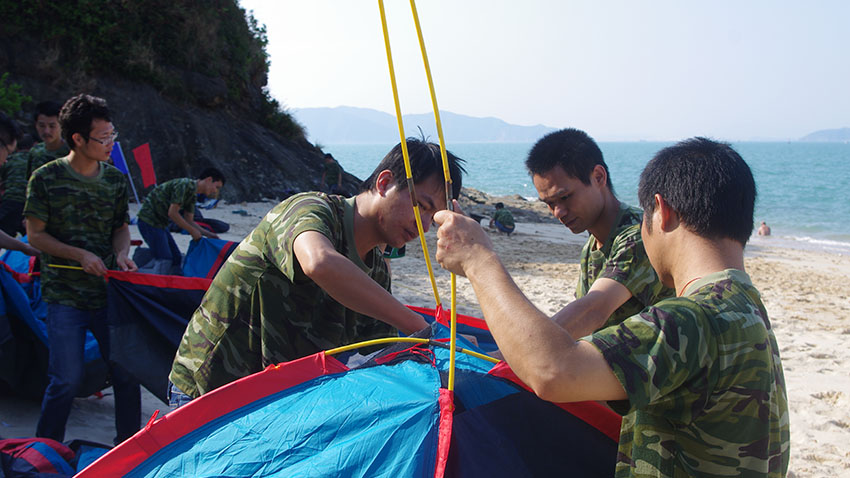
502, 219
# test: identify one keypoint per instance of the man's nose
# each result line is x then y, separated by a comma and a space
559, 212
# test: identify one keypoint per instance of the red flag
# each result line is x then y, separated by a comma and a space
143, 159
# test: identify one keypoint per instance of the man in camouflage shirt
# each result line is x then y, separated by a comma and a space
311, 276
52, 144
616, 279
503, 220
9, 136
77, 216
17, 171
165, 203
698, 376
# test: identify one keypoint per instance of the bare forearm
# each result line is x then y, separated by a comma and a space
578, 319
527, 338
351, 287
10, 243
121, 241
44, 242
183, 222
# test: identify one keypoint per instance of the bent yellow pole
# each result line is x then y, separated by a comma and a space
406, 156
448, 177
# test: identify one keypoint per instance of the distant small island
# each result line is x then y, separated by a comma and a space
350, 125
841, 135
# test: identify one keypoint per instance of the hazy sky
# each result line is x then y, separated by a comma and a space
620, 70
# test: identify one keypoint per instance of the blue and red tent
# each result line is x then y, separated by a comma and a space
390, 416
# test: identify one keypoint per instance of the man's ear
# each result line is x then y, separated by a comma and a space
598, 175
384, 182
78, 139
669, 217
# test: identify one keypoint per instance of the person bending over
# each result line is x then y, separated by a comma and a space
311, 276
698, 376
502, 219
616, 279
165, 202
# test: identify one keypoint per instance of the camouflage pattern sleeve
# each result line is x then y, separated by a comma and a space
13, 177
629, 265
122, 208
37, 204
664, 342
187, 193
704, 383
306, 212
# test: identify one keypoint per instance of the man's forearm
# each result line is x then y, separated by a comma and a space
351, 287
44, 242
10, 243
121, 240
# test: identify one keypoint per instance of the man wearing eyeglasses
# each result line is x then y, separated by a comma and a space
77, 216
9, 135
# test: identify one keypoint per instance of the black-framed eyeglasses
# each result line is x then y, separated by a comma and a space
112, 137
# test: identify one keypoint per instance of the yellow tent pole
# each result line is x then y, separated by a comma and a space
406, 156
61, 266
448, 177
391, 340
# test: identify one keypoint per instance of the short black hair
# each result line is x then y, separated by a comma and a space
47, 108
77, 114
571, 149
707, 183
9, 130
213, 173
499, 205
425, 161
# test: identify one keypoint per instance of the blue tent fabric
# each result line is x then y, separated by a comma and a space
296, 438
380, 418
206, 256
153, 312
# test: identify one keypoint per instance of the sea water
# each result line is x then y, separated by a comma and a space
803, 188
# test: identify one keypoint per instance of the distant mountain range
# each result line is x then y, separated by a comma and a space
350, 125
840, 135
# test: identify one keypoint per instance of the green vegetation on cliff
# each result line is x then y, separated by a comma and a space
210, 53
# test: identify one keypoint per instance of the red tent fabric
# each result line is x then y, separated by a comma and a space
143, 159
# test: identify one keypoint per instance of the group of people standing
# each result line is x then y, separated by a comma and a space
73, 207
667, 327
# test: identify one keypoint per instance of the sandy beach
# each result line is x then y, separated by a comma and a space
806, 293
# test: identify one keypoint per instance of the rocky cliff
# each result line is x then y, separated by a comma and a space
194, 114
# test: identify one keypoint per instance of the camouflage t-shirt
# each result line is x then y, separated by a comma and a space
262, 309
706, 391
504, 217
622, 258
182, 191
39, 156
13, 178
81, 212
